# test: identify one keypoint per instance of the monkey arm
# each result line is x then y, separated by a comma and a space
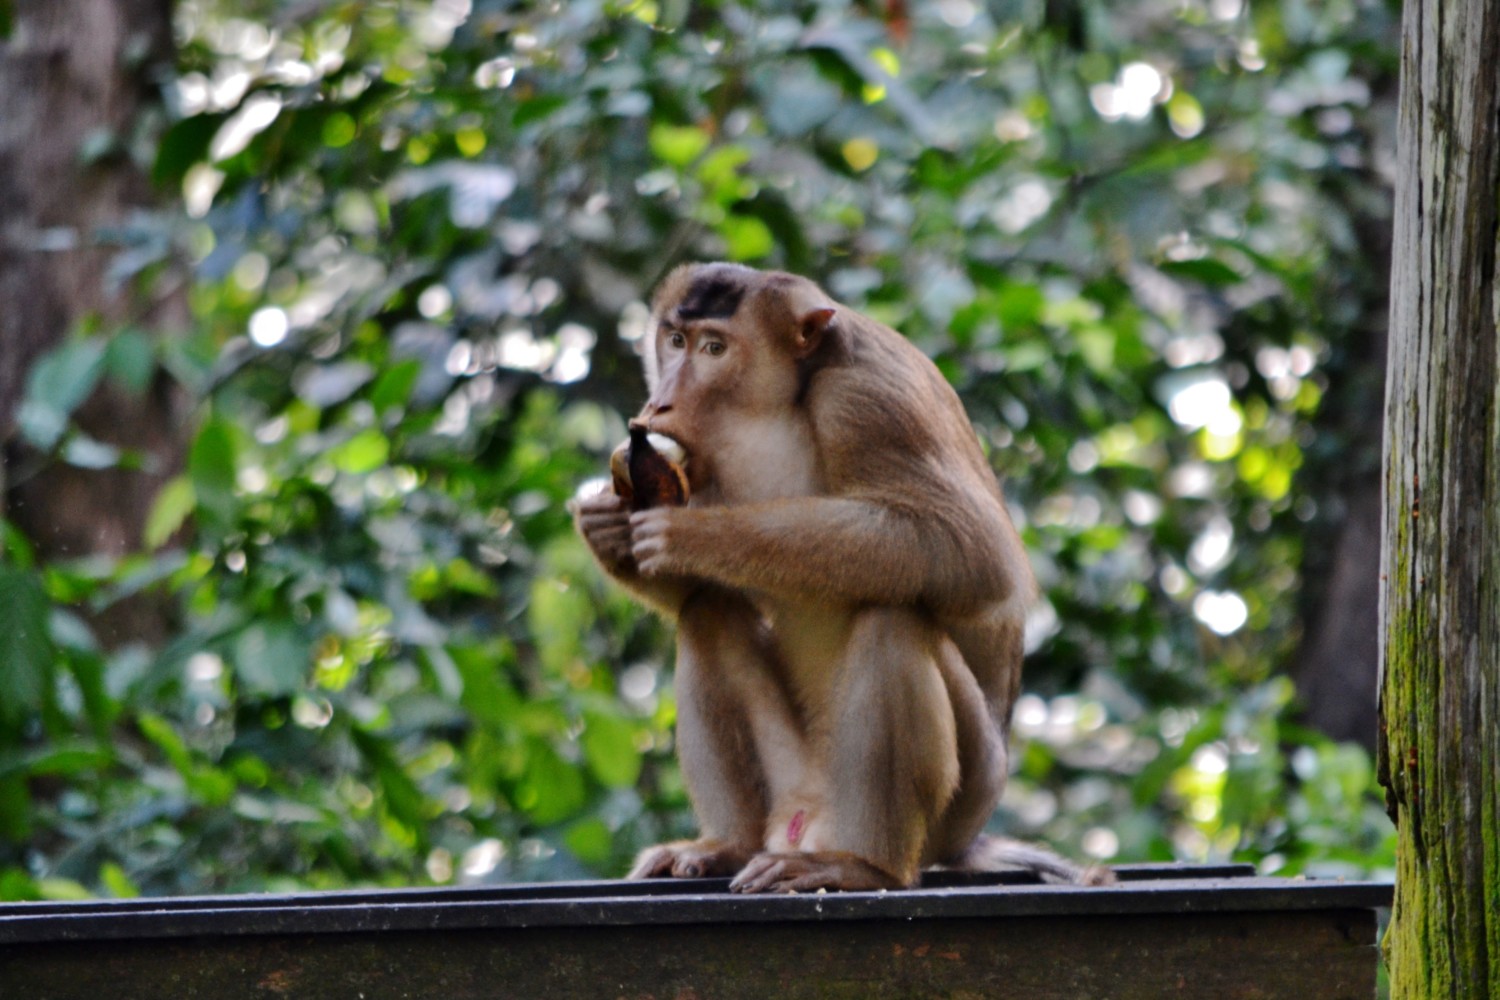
840, 549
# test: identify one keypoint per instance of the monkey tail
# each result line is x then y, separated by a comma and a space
994, 854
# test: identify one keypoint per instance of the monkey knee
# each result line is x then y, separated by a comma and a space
897, 706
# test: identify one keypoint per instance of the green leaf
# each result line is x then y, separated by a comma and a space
394, 386
116, 882
746, 237
271, 659
1097, 345
609, 747
1020, 306
58, 385
130, 361
16, 814
16, 546
403, 799
27, 657
160, 733
590, 841
537, 108
63, 758
1206, 270
15, 884
364, 452
678, 145
211, 465
559, 616
184, 144
63, 889
466, 578
486, 694
552, 789
172, 505
719, 171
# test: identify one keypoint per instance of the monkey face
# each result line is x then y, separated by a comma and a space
731, 346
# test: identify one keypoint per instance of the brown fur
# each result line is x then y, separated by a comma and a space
848, 588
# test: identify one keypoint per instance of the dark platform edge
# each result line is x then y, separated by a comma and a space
1143, 889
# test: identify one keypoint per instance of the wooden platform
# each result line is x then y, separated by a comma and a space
1165, 931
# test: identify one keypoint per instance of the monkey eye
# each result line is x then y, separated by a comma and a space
714, 348
676, 339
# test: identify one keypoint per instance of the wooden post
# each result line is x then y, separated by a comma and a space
1440, 602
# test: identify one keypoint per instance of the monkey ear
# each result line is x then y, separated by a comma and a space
811, 327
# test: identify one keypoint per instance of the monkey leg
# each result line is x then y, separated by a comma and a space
739, 742
983, 762
893, 759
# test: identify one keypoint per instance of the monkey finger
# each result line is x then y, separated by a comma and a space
591, 492
593, 527
600, 505
615, 551
609, 535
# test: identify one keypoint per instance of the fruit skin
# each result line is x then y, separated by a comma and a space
643, 476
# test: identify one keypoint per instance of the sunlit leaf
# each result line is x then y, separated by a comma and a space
609, 747
678, 145
168, 511
364, 452
590, 840
746, 237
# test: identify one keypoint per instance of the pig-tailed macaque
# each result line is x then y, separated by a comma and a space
805, 497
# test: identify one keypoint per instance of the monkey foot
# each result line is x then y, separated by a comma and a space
689, 859
808, 872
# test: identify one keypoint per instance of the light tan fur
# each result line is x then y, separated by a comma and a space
848, 588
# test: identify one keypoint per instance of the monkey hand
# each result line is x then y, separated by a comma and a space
603, 519
656, 541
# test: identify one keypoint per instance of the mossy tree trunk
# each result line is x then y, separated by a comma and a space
80, 100
1440, 607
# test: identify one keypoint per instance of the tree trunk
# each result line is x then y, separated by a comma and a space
75, 76
1440, 607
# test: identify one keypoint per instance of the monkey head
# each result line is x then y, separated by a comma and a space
730, 344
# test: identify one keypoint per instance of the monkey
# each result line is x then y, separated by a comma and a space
848, 588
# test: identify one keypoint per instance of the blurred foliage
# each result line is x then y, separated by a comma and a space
418, 236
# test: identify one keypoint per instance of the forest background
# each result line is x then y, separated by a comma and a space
314, 313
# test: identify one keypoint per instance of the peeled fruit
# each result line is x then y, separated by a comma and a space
647, 470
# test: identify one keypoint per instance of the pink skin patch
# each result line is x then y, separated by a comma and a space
795, 828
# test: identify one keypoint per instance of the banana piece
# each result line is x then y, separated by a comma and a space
647, 470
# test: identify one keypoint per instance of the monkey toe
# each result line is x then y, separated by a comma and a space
763, 874
1097, 875
809, 872
653, 862
689, 859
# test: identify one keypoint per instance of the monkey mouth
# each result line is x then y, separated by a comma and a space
663, 440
